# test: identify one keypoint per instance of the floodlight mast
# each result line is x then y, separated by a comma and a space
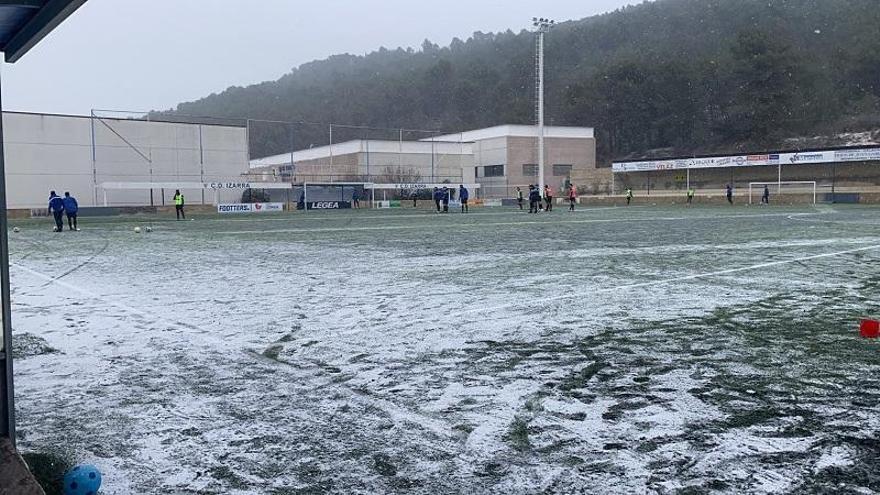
542, 26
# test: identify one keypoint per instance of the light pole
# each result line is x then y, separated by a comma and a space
542, 27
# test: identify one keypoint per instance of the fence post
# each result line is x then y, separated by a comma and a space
331, 153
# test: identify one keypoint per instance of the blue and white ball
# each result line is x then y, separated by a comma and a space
84, 479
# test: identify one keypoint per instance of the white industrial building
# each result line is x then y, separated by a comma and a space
364, 159
81, 153
499, 158
105, 161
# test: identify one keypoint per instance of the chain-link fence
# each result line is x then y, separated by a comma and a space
300, 152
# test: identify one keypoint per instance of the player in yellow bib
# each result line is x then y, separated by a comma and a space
178, 205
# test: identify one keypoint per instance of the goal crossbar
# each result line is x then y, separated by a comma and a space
216, 187
419, 186
370, 188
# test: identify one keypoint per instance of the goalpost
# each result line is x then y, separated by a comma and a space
808, 187
347, 195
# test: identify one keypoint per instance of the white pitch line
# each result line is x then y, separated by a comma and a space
501, 224
835, 222
683, 278
323, 216
652, 283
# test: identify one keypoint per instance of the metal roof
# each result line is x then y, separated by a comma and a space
516, 131
23, 23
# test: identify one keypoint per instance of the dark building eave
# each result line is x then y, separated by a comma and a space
24, 23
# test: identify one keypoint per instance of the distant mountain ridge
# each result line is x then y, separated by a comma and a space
699, 76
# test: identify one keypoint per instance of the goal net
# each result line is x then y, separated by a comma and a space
332, 195
397, 195
794, 191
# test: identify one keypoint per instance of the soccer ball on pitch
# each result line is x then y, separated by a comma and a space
82, 480
54, 229
16, 230
137, 230
149, 229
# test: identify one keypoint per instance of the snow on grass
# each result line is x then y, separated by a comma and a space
493, 352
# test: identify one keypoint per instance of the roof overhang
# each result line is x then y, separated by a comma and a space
24, 23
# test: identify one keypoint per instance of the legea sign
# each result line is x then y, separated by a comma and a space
329, 205
250, 207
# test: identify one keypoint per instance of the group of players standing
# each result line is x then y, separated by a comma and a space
544, 202
442, 196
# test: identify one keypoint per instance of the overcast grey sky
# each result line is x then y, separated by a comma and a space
153, 54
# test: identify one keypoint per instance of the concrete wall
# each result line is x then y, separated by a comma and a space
55, 152
46, 152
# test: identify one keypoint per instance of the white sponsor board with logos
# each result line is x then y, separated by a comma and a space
857, 155
250, 207
769, 159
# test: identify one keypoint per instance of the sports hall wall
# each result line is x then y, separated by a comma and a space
75, 153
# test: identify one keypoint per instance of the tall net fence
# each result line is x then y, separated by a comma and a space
299, 152
834, 182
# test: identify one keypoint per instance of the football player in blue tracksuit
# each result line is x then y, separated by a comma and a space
70, 208
56, 208
463, 196
534, 199
437, 198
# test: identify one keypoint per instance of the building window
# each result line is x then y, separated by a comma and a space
561, 170
530, 170
493, 171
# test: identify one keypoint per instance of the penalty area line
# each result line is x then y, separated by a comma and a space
652, 283
502, 224
684, 278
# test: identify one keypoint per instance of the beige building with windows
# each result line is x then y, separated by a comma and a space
499, 158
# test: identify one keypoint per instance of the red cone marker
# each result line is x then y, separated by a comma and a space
870, 329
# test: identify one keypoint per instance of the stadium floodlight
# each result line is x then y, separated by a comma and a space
542, 27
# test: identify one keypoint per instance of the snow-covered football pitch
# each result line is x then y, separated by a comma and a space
610, 350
